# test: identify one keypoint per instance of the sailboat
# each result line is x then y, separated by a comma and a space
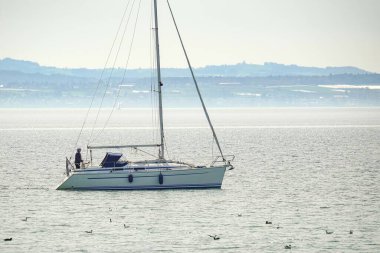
158, 173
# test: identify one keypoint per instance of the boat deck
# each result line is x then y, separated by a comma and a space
140, 166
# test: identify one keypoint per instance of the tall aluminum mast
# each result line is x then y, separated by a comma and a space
159, 83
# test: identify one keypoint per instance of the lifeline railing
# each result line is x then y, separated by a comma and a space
223, 159
68, 165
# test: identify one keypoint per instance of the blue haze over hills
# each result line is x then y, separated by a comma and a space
27, 84
237, 70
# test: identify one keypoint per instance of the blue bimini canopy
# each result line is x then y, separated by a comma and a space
112, 160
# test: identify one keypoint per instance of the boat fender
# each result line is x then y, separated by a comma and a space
130, 178
161, 178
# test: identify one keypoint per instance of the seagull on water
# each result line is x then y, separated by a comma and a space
89, 232
8, 239
215, 237
288, 246
26, 219
329, 232
268, 222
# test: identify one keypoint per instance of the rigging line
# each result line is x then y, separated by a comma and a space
124, 74
142, 151
109, 116
212, 148
196, 84
110, 75
101, 75
166, 149
112, 69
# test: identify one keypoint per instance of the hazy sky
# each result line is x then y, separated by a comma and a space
79, 33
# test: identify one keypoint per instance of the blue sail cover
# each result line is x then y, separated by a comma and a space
112, 160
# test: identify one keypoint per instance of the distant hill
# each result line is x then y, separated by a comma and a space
237, 70
27, 84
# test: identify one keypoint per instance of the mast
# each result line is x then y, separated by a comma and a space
159, 84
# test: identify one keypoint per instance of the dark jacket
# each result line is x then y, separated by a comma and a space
78, 158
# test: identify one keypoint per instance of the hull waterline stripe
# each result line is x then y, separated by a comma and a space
149, 176
147, 187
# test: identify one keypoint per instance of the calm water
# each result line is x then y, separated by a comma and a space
305, 170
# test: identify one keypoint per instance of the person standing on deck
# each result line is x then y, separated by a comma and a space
78, 159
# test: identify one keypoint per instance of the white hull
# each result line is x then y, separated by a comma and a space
146, 179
